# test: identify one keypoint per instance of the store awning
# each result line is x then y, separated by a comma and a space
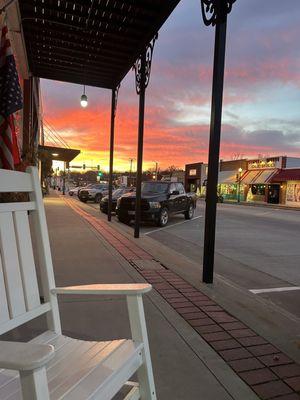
227, 177
264, 176
287, 175
59, 153
249, 176
89, 42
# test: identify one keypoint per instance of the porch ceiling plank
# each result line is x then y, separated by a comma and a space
135, 23
70, 41
76, 60
96, 48
76, 54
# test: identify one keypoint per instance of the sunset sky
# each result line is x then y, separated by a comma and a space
261, 113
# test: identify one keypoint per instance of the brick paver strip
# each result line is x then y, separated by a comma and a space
208, 329
287, 371
247, 364
251, 341
212, 337
271, 389
294, 383
221, 316
292, 396
263, 350
240, 333
201, 322
233, 325
211, 308
234, 354
258, 376
194, 315
225, 344
248, 354
275, 359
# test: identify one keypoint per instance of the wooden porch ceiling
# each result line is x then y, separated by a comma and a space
91, 42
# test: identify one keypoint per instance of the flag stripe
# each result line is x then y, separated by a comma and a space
10, 102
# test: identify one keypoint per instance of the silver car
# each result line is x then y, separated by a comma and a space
93, 193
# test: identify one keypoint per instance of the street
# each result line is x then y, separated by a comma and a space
260, 244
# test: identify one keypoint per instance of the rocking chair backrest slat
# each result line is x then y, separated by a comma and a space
11, 266
4, 313
28, 271
19, 289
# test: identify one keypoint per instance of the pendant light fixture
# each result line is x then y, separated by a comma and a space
83, 99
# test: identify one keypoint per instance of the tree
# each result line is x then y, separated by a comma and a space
171, 169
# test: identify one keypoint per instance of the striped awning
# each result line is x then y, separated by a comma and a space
264, 176
249, 177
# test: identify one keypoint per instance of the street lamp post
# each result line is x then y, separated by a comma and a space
156, 170
214, 13
64, 180
130, 172
239, 184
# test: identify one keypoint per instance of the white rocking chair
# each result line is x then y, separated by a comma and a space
53, 366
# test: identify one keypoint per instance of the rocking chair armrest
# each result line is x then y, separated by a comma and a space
21, 356
128, 289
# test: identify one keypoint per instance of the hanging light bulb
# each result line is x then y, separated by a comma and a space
83, 99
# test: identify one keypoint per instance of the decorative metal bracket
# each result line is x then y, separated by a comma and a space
148, 61
116, 93
215, 11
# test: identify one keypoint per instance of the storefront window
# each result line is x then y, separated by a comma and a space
259, 190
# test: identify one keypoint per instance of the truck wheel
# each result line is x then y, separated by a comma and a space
190, 212
98, 198
124, 220
163, 217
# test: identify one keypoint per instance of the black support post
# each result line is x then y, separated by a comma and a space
114, 97
218, 16
139, 171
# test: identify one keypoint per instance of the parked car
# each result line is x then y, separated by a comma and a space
115, 196
159, 200
93, 193
74, 191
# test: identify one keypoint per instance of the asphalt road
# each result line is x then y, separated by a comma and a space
261, 247
261, 244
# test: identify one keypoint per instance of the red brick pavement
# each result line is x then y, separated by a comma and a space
270, 373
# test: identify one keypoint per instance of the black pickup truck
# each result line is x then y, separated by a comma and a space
159, 200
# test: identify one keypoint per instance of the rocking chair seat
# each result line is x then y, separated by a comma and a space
81, 369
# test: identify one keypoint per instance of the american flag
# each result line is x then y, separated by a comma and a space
10, 102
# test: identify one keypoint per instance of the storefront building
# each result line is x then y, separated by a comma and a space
289, 182
230, 186
195, 177
270, 180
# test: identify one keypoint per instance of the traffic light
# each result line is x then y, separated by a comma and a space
100, 173
83, 166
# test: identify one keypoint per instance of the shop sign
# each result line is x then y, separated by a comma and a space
293, 193
193, 172
265, 163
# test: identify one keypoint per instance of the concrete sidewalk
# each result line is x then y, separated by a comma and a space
185, 366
